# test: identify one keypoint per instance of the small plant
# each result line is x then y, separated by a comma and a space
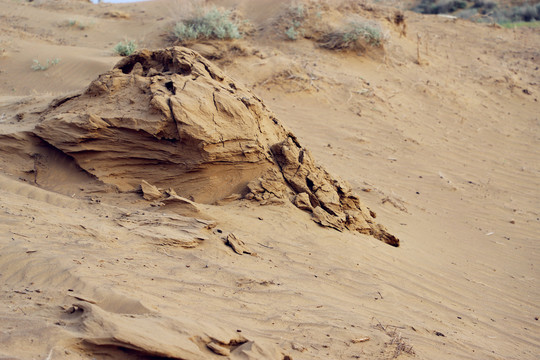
72, 23
37, 66
125, 48
212, 24
292, 33
355, 35
297, 15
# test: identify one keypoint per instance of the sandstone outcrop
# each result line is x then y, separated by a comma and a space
172, 119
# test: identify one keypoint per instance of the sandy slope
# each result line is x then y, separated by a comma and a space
446, 153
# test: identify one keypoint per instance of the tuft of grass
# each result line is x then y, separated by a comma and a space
211, 24
37, 66
125, 48
354, 35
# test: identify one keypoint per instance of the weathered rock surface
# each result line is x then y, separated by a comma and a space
153, 335
169, 117
173, 119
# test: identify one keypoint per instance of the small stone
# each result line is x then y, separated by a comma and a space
298, 347
237, 245
360, 340
150, 192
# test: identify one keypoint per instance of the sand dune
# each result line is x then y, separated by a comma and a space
443, 149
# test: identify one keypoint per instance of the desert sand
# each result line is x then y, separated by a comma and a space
245, 199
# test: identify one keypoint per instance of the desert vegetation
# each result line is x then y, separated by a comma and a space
342, 28
481, 10
296, 15
317, 21
355, 34
76, 24
37, 66
210, 23
125, 48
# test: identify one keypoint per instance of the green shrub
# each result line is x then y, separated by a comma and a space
526, 13
292, 33
481, 10
212, 24
296, 15
125, 48
440, 6
468, 14
485, 4
37, 66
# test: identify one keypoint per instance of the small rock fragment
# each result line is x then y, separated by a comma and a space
180, 201
360, 340
218, 348
150, 192
237, 245
298, 347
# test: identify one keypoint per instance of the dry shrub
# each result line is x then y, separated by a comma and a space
335, 25
400, 344
195, 21
356, 34
207, 24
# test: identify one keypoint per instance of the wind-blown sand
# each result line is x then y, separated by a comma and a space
218, 260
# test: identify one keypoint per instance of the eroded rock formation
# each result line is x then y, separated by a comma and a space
172, 118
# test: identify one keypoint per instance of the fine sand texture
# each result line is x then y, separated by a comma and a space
264, 197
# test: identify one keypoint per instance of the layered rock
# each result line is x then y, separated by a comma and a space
172, 118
